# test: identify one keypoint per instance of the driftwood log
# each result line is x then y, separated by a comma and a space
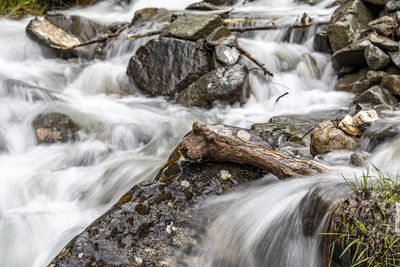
224, 143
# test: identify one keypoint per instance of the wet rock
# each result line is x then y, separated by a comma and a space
157, 223
348, 126
226, 55
383, 42
359, 81
58, 30
54, 128
311, 2
351, 56
376, 58
380, 132
358, 158
203, 6
226, 84
220, 2
192, 27
376, 95
346, 23
151, 15
365, 117
221, 36
395, 57
392, 83
166, 66
321, 42
384, 25
326, 138
392, 6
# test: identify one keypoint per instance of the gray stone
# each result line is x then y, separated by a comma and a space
351, 56
226, 55
325, 137
166, 66
392, 83
383, 42
376, 58
203, 6
376, 95
358, 158
392, 6
346, 24
321, 42
227, 84
384, 25
151, 15
192, 27
356, 82
219, 36
395, 57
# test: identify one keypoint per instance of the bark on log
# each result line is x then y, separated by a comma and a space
256, 61
224, 143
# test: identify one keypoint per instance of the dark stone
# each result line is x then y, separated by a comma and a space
220, 2
321, 42
379, 132
376, 95
392, 6
395, 57
351, 56
376, 58
54, 128
226, 84
166, 66
384, 42
203, 6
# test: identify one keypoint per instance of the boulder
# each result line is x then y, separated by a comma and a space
384, 25
56, 30
348, 126
376, 58
376, 95
226, 84
226, 55
165, 66
325, 137
321, 42
392, 6
54, 128
203, 6
392, 83
221, 36
383, 42
192, 27
346, 24
351, 55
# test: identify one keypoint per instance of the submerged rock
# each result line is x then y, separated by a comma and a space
358, 158
226, 84
54, 128
326, 138
23, 90
54, 31
165, 66
192, 27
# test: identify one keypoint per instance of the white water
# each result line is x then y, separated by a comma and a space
49, 193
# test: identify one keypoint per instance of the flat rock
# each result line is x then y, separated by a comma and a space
376, 58
383, 42
192, 27
376, 95
226, 84
165, 66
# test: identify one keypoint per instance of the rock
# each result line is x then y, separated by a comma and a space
221, 36
358, 158
203, 6
376, 95
359, 81
321, 42
376, 2
326, 138
226, 55
59, 30
392, 83
348, 126
221, 2
166, 66
151, 15
311, 2
376, 58
380, 132
383, 42
346, 24
392, 6
54, 128
384, 25
226, 84
365, 117
395, 57
158, 223
352, 55
192, 27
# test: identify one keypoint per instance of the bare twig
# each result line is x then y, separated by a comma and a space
283, 95
261, 65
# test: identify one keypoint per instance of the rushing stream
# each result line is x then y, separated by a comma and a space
48, 194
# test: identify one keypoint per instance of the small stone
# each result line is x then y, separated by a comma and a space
376, 58
80, 255
383, 25
226, 55
358, 158
225, 174
185, 184
203, 6
392, 6
244, 136
347, 125
170, 228
395, 57
364, 117
138, 260
392, 83
221, 35
383, 42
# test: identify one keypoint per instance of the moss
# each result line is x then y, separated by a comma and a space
18, 8
124, 199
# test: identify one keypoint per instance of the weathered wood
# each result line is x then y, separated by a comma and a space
256, 61
224, 143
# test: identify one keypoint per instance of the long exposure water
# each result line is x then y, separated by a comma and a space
49, 193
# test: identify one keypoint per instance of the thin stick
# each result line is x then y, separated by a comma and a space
244, 52
276, 27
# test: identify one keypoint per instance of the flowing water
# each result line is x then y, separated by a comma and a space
49, 193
